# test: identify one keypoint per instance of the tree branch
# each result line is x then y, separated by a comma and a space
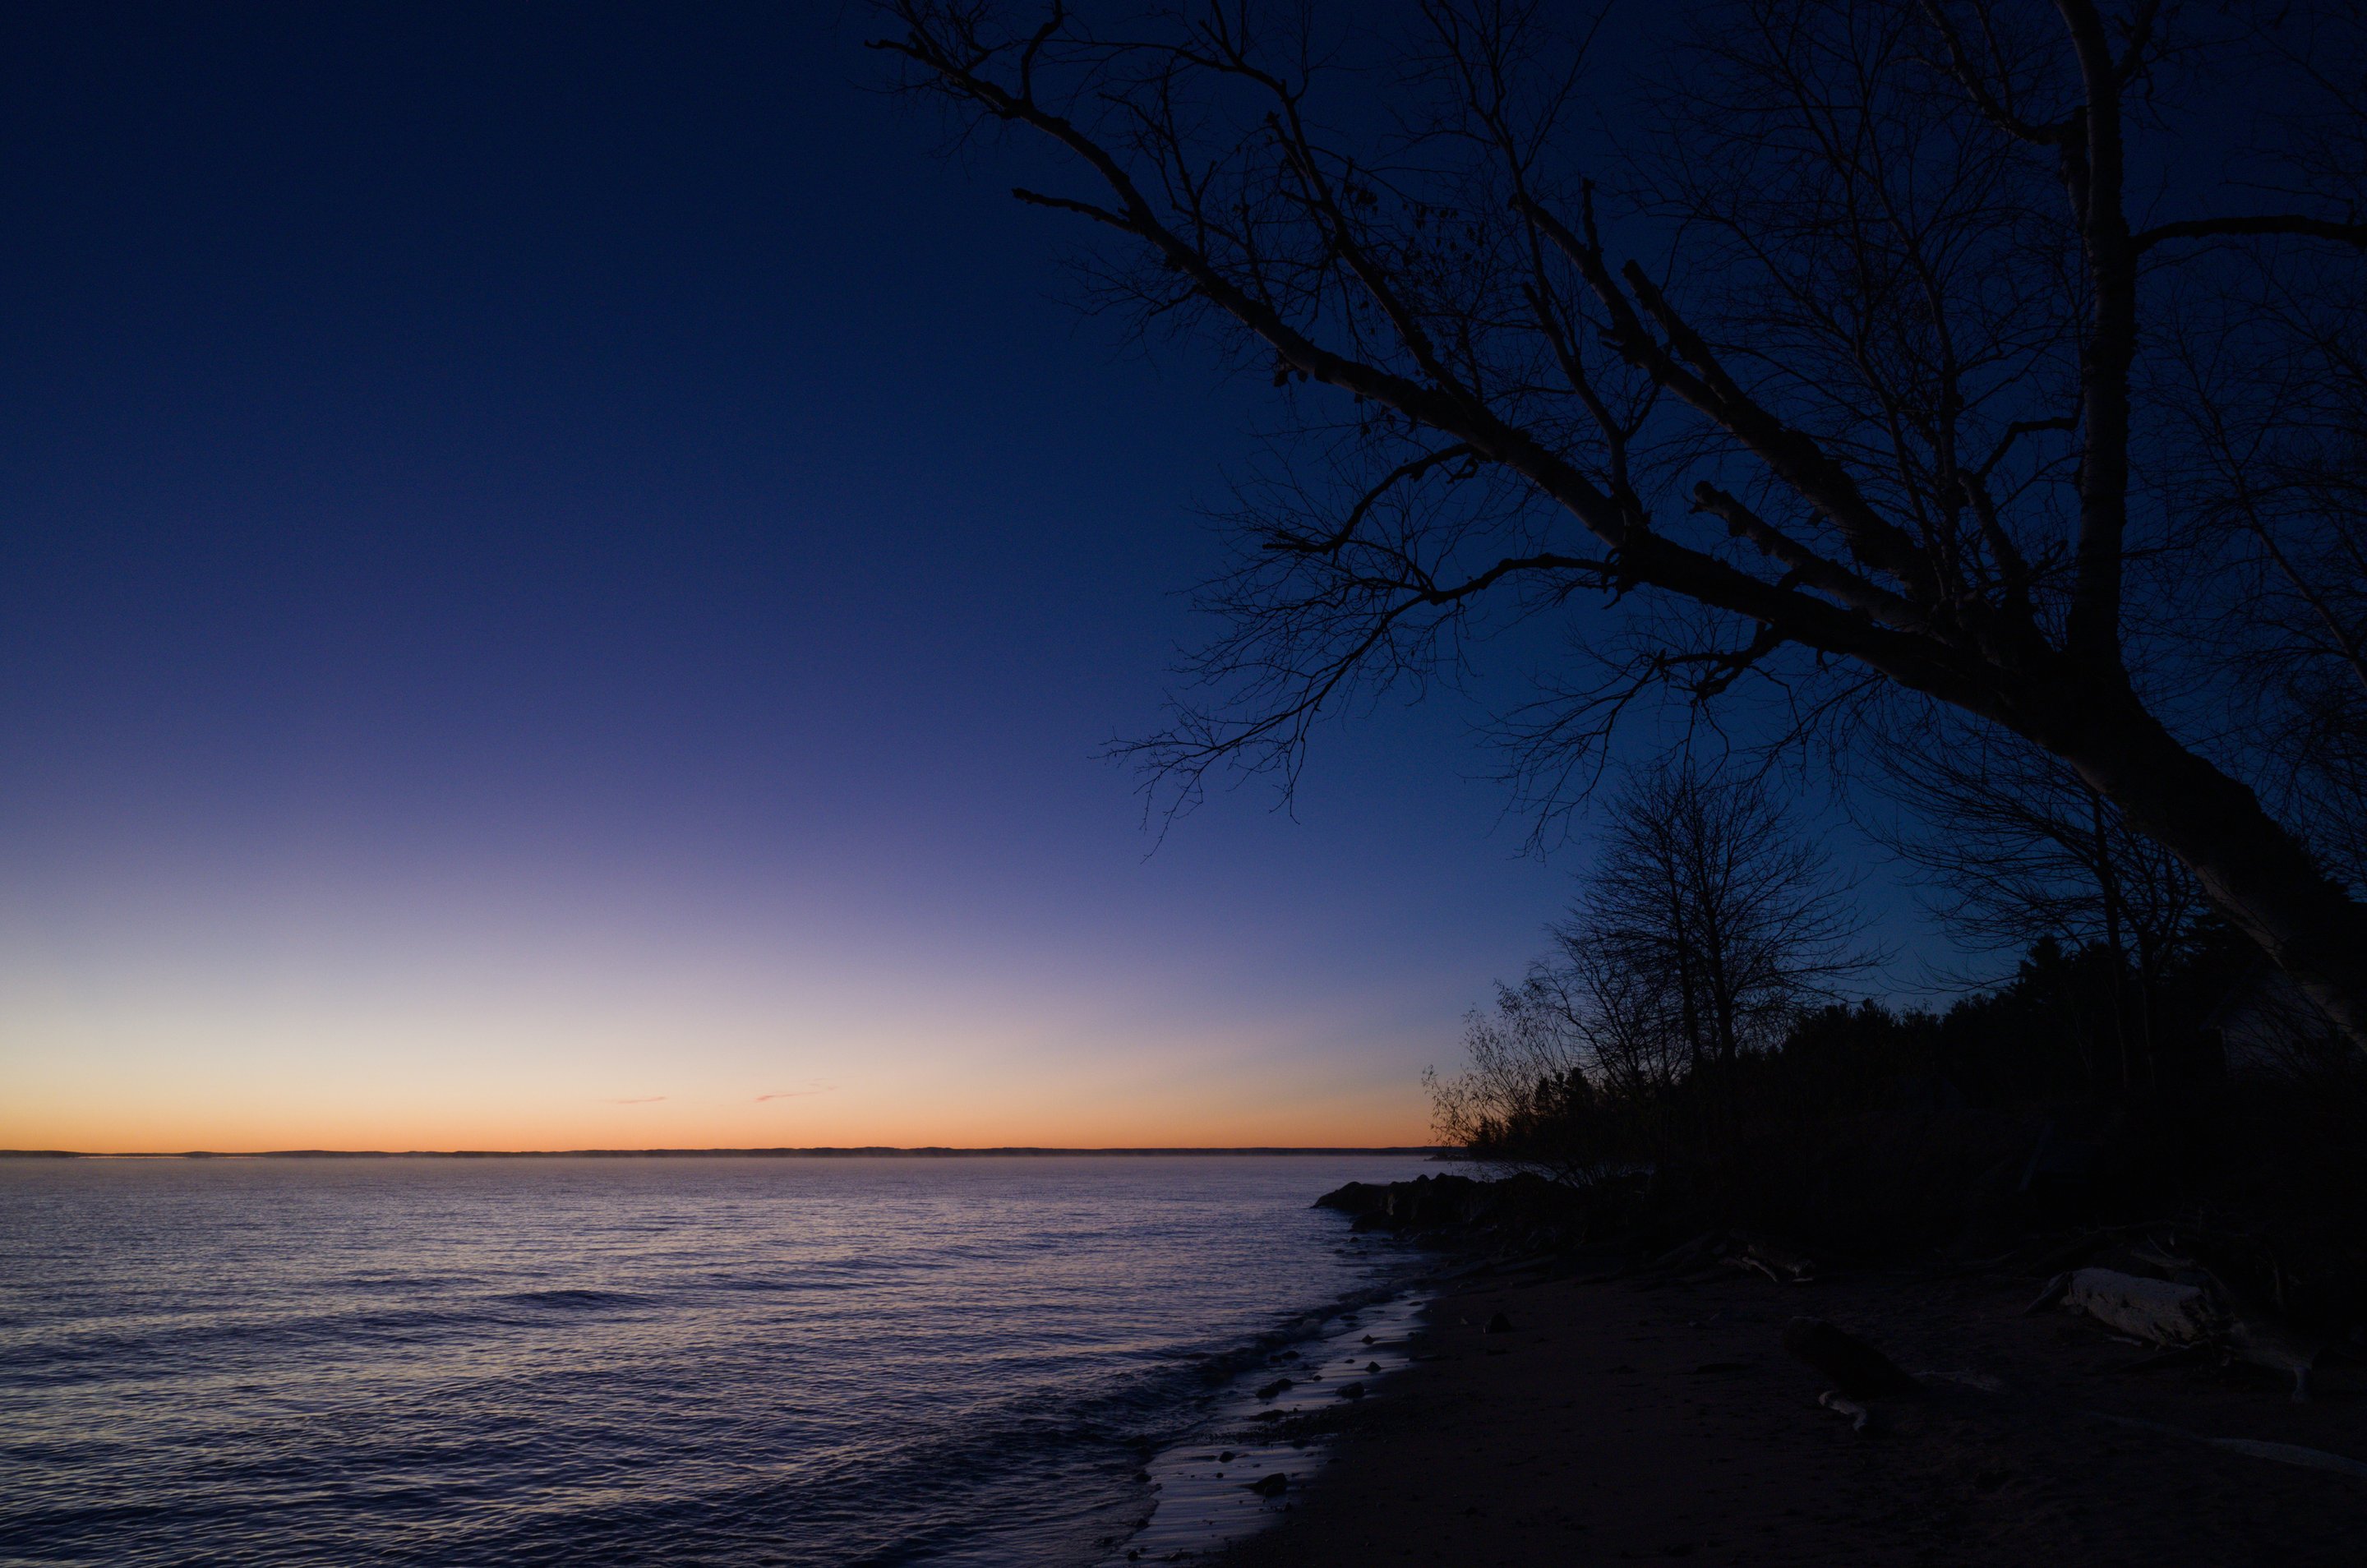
2093, 172
1991, 108
1338, 539
1069, 204
2283, 223
1795, 456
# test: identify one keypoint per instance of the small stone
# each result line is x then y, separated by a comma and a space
1225, 1457
1352, 1391
1276, 1389
1372, 1366
1500, 1323
1274, 1485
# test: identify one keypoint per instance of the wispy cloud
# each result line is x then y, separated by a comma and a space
644, 1100
796, 1093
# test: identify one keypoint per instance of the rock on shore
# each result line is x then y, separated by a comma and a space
1523, 1208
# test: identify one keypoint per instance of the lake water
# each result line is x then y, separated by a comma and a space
615, 1362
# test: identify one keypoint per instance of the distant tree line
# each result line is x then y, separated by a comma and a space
1681, 1061
1698, 991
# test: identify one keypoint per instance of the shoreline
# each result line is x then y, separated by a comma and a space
1626, 1419
1275, 1417
823, 1151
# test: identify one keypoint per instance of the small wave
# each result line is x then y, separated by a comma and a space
575, 1299
188, 1342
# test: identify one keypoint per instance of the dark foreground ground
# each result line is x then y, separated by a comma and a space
1620, 1422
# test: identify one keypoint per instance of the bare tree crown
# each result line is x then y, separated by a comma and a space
1844, 357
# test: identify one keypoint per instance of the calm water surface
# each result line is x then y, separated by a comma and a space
630, 1361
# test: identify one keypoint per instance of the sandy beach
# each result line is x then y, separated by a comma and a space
1618, 1421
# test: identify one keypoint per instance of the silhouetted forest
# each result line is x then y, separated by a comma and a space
1684, 1057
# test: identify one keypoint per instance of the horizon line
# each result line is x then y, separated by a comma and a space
867, 1151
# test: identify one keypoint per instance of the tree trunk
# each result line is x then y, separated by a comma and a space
2258, 875
2149, 982
2104, 880
1680, 946
1719, 987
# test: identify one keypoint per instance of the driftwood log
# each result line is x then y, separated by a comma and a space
2181, 1314
2158, 1310
1780, 1264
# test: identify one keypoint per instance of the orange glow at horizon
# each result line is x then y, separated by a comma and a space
1349, 1118
620, 1068
514, 1012
1280, 1111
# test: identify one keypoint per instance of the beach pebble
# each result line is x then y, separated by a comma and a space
1352, 1391
1274, 1485
1274, 1389
1500, 1323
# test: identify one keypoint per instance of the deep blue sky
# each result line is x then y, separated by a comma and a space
561, 573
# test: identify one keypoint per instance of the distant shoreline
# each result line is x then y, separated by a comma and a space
875, 1152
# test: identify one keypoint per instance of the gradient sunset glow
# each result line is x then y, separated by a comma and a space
540, 610
538, 1010
469, 1018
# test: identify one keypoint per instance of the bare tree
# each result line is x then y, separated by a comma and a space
1633, 1042
1709, 896
1586, 1029
1523, 1095
1825, 371
2016, 849
1707, 925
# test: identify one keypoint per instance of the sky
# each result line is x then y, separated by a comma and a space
563, 581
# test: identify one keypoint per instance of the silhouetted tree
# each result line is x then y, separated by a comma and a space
1707, 926
1830, 370
1522, 1096
2018, 850
1723, 919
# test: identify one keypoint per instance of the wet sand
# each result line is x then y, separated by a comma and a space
1206, 1488
1620, 1422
